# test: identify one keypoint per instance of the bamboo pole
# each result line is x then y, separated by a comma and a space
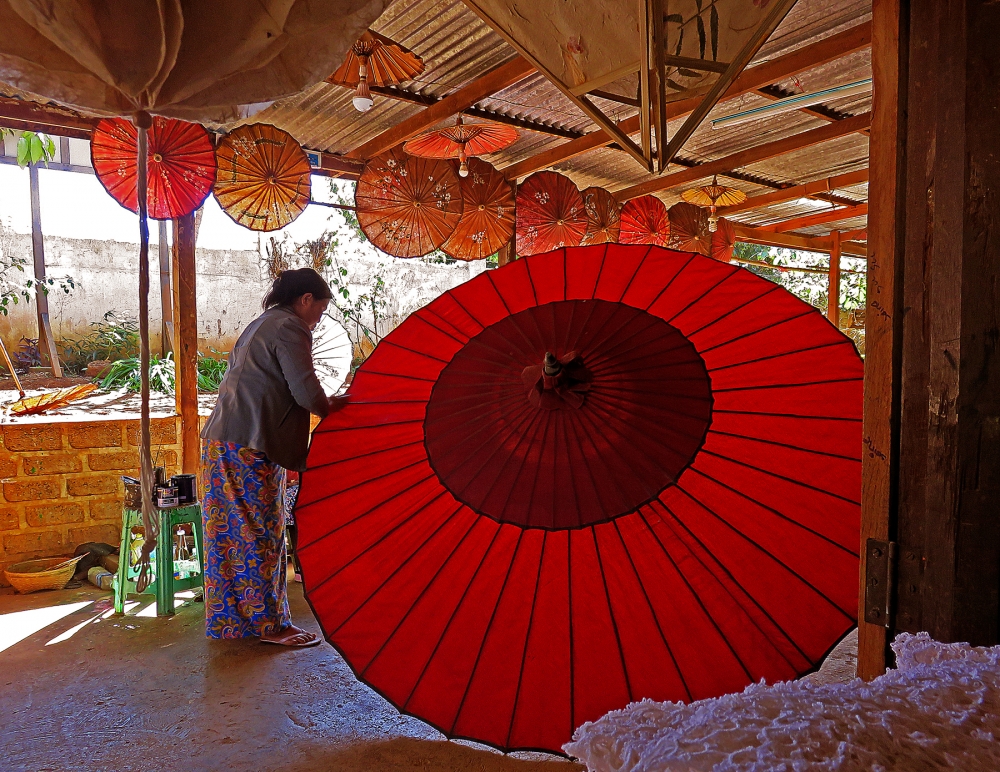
833, 298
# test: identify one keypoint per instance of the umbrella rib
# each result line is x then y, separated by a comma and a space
422, 315
635, 273
767, 552
518, 420
769, 357
534, 428
788, 415
393, 344
667, 285
611, 613
781, 477
370, 453
596, 396
774, 511
733, 310
527, 640
652, 611
431, 312
704, 294
402, 375
472, 524
809, 311
695, 595
486, 633
786, 385
786, 445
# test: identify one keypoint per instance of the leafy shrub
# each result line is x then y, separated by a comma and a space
126, 374
211, 370
27, 354
116, 336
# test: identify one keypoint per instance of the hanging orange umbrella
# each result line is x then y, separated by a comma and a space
550, 214
689, 229
723, 241
712, 196
375, 60
180, 165
263, 179
408, 206
644, 221
603, 217
487, 221
461, 141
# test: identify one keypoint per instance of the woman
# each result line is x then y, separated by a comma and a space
260, 428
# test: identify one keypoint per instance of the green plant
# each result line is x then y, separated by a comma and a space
116, 336
126, 374
211, 370
13, 289
32, 147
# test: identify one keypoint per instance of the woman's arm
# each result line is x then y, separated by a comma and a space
294, 350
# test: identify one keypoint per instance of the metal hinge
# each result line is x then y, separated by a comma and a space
880, 569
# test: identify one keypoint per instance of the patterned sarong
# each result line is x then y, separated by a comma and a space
245, 580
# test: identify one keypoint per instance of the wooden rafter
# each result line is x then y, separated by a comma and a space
807, 190
751, 155
792, 241
861, 234
495, 80
830, 49
818, 218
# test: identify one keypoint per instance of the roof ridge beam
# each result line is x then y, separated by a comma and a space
806, 190
818, 218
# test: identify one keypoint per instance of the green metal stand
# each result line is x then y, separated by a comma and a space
164, 584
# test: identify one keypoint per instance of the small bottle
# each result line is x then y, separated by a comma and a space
100, 577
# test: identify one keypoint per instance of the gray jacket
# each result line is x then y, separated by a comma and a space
269, 390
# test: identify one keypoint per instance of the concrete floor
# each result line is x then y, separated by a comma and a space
137, 693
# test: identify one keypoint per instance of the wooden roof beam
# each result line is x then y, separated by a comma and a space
751, 235
495, 80
751, 155
807, 190
818, 218
827, 50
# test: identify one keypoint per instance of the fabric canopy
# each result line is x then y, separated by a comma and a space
591, 476
203, 61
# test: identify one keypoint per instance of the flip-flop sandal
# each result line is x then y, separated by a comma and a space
291, 643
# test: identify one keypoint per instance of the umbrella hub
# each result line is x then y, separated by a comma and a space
558, 383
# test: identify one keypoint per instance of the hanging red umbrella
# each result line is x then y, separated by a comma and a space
589, 477
408, 206
462, 141
378, 61
723, 240
603, 217
644, 221
550, 214
689, 229
487, 222
180, 165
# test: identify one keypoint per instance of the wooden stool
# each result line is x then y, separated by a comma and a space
164, 584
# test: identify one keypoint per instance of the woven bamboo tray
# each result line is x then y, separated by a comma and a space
41, 574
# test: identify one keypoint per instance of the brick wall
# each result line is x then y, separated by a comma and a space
60, 483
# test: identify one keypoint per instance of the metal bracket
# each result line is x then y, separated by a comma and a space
880, 565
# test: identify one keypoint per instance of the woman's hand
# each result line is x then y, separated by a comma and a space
338, 402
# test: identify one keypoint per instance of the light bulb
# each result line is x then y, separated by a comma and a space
713, 223
363, 101
463, 169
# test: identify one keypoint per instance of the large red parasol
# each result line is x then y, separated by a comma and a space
550, 213
264, 177
408, 206
644, 221
589, 477
487, 222
462, 141
689, 228
180, 165
603, 217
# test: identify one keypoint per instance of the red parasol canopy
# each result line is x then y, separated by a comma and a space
689, 229
723, 240
462, 141
487, 221
408, 206
644, 221
180, 165
507, 542
550, 214
603, 217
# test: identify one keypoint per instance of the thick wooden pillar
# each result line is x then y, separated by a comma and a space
186, 341
46, 341
833, 291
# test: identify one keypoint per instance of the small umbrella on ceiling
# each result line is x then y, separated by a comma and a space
712, 196
462, 141
406, 205
375, 60
550, 214
263, 180
180, 165
603, 217
644, 221
689, 229
723, 241
589, 477
487, 221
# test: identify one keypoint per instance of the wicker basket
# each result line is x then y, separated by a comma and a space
41, 574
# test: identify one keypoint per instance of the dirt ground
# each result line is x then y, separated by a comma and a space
90, 691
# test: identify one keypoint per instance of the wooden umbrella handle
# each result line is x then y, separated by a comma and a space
10, 366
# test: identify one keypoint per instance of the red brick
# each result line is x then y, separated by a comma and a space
106, 434
91, 486
127, 460
105, 532
8, 467
31, 490
53, 514
162, 431
37, 437
60, 464
32, 541
9, 520
105, 510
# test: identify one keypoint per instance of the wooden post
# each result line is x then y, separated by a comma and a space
506, 254
879, 460
186, 341
166, 295
46, 343
833, 300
